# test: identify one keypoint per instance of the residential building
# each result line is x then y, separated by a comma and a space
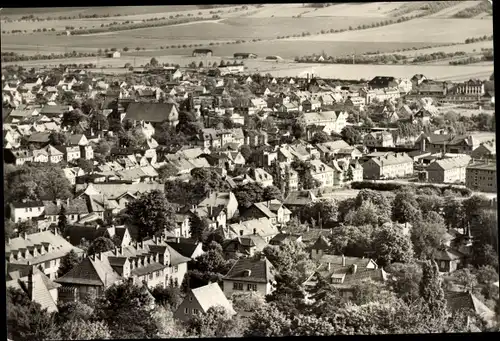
76, 209
298, 199
262, 177
328, 150
25, 210
186, 247
382, 82
243, 246
482, 176
388, 167
272, 209
331, 121
249, 274
486, 150
43, 250
153, 113
29, 279
152, 262
55, 156
448, 170
215, 216
344, 172
379, 139
449, 260
471, 87
261, 226
225, 199
199, 300
447, 143
346, 272
18, 157
282, 238
322, 173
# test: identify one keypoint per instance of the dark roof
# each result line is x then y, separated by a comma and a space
90, 233
75, 206
321, 243
152, 112
202, 50
448, 254
261, 270
465, 300
184, 247
27, 204
282, 237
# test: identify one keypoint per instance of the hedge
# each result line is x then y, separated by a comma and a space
392, 186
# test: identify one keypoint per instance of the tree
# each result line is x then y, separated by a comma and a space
99, 122
426, 235
212, 261
466, 278
151, 213
298, 130
216, 322
153, 62
86, 165
431, 290
391, 245
404, 280
9, 227
170, 296
68, 262
323, 211
58, 138
247, 301
26, 320
320, 137
167, 326
249, 193
85, 330
354, 241
71, 119
73, 311
246, 151
101, 244
350, 135
290, 259
304, 325
198, 226
369, 291
268, 321
127, 310
167, 171
406, 208
366, 214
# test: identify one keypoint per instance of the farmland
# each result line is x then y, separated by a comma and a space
418, 30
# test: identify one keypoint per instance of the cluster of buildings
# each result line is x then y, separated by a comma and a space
32, 114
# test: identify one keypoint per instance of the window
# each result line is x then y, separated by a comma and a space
252, 287
195, 311
47, 264
151, 275
443, 265
237, 286
186, 310
176, 268
176, 282
190, 298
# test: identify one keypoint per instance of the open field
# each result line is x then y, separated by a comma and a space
418, 30
280, 11
163, 11
370, 9
44, 12
469, 48
449, 12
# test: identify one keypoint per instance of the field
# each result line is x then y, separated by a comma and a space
469, 48
375, 9
449, 12
418, 30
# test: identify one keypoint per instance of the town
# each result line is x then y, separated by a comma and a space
206, 201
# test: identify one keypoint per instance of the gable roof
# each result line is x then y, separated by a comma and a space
451, 163
211, 295
184, 248
261, 270
466, 300
152, 112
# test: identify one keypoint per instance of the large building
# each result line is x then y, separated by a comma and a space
322, 173
449, 170
482, 177
388, 167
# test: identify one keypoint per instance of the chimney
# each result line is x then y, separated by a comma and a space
177, 240
343, 260
241, 232
354, 268
254, 231
329, 266
24, 236
67, 202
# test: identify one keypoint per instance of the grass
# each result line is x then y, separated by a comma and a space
374, 9
469, 48
451, 11
417, 30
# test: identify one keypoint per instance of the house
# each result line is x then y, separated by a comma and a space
282, 238
272, 210
431, 89
39, 288
405, 85
311, 105
114, 54
40, 139
298, 199
485, 150
417, 79
225, 199
202, 53
55, 155
77, 232
262, 177
328, 150
154, 113
470, 87
481, 176
448, 259
390, 166
249, 274
75, 209
332, 121
379, 139
215, 216
26, 210
448, 170
322, 173
243, 246
186, 247
256, 138
18, 157
70, 153
381, 82
447, 143
345, 172
346, 272
321, 247
201, 299
152, 262
261, 226
78, 140
43, 250
55, 110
